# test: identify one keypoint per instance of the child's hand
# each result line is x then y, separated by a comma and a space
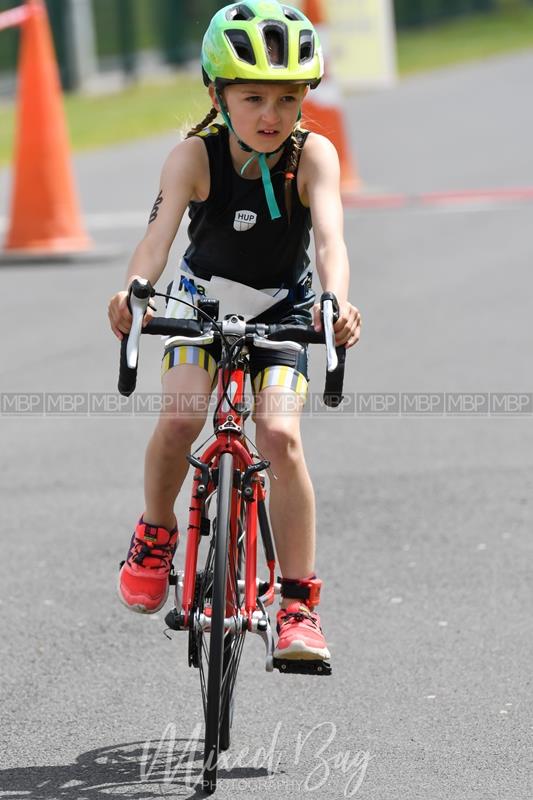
120, 315
348, 326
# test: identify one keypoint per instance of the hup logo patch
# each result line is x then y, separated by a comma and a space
244, 220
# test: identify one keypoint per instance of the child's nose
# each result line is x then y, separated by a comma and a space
270, 114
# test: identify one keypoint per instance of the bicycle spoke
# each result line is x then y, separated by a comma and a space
205, 650
230, 673
204, 690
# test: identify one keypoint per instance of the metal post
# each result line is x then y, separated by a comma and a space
127, 34
57, 19
80, 43
173, 30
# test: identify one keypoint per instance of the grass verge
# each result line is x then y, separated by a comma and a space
466, 39
134, 113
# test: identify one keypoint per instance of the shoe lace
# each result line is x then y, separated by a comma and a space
298, 616
141, 550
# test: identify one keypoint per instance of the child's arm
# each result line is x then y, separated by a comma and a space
322, 190
181, 180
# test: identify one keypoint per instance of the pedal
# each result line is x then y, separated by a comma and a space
302, 666
174, 620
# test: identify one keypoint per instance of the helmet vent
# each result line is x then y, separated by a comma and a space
275, 35
292, 14
239, 13
242, 46
307, 46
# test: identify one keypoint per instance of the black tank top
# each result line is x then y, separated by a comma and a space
232, 234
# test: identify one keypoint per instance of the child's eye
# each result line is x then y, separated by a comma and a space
289, 98
253, 98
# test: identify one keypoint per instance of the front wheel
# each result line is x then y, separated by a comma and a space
233, 642
213, 706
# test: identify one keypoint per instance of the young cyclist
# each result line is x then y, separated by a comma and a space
252, 186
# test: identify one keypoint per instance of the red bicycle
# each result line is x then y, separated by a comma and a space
219, 596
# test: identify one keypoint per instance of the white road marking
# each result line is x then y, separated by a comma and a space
113, 220
106, 220
458, 202
463, 208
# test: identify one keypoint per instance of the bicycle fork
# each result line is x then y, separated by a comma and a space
257, 594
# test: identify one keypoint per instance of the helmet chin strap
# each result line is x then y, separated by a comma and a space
261, 159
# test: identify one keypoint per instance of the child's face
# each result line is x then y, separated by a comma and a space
264, 115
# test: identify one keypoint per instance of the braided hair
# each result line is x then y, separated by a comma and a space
293, 159
208, 119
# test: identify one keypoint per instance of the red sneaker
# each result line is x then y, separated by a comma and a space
143, 579
300, 634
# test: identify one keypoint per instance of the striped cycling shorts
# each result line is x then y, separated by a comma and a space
285, 368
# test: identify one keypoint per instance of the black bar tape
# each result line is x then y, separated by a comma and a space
335, 381
160, 326
127, 377
296, 333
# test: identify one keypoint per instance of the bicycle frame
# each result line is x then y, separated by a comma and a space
228, 427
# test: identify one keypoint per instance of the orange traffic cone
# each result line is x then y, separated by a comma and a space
315, 11
322, 109
45, 220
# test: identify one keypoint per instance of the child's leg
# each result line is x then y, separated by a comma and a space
292, 512
186, 389
292, 499
143, 580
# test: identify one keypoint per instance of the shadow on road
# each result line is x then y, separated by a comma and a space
132, 770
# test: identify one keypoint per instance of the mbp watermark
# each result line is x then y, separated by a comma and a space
510, 403
422, 403
19, 404
362, 405
377, 403
467, 403
171, 761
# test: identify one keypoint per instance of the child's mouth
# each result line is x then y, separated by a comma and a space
269, 132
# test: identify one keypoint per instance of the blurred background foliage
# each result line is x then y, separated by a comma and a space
135, 97
173, 29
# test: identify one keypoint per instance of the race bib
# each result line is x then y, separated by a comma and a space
233, 297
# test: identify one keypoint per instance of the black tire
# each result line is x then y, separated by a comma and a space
216, 645
226, 720
233, 644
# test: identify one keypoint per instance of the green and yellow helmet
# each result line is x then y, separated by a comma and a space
235, 46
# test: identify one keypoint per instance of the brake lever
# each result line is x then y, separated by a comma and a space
329, 309
140, 292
